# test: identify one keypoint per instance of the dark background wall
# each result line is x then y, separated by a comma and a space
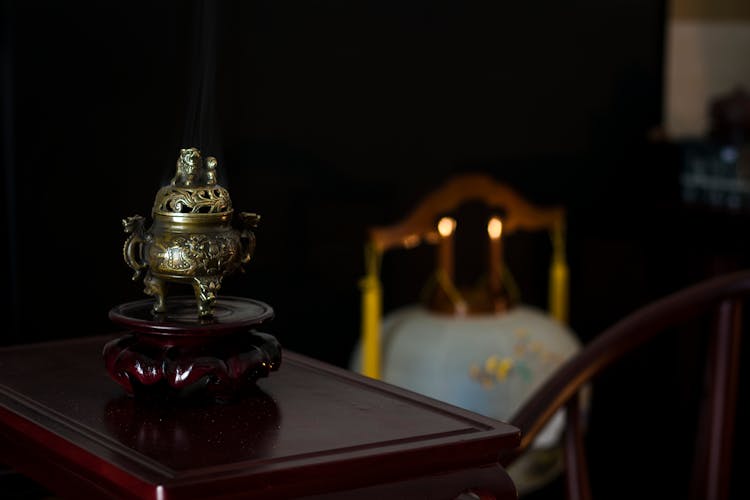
326, 118
330, 117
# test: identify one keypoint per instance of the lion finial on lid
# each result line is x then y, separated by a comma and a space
192, 171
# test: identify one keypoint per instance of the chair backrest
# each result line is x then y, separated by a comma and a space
722, 295
421, 226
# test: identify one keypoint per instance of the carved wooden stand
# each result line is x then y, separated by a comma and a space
176, 355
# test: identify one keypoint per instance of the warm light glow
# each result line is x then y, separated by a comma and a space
446, 226
495, 228
411, 241
432, 237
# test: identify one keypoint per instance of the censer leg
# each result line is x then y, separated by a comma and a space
206, 288
157, 288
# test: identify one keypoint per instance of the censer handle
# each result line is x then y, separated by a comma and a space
249, 221
132, 250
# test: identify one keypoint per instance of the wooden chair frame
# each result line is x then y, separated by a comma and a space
420, 226
420, 223
712, 462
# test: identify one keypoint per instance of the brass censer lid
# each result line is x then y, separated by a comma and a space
193, 189
192, 240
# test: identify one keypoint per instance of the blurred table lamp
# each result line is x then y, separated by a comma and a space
481, 348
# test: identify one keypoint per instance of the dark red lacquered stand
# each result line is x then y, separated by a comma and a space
175, 354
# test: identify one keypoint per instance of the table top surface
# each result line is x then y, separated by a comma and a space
307, 420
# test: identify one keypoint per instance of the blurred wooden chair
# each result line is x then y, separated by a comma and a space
722, 296
423, 225
479, 346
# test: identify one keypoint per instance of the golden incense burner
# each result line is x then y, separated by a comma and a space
192, 240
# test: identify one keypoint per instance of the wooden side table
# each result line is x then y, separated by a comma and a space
312, 431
